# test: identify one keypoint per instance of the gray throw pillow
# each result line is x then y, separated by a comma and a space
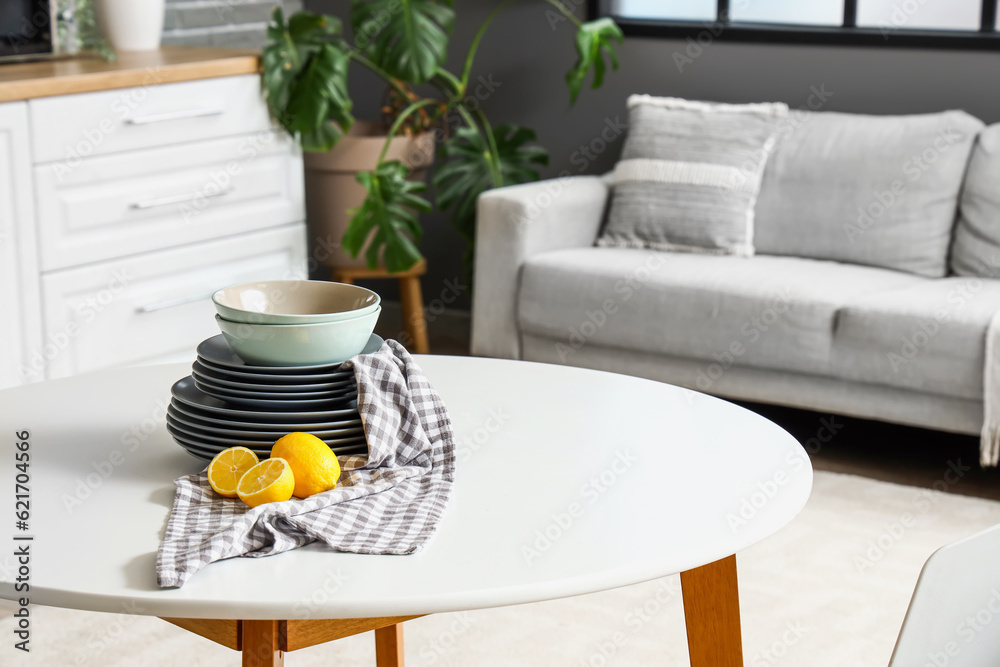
875, 190
976, 246
689, 175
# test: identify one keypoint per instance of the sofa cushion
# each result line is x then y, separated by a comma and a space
769, 312
875, 190
976, 247
689, 175
929, 336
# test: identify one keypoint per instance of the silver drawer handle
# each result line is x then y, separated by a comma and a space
171, 303
177, 199
175, 115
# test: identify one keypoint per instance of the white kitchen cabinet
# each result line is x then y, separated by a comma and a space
20, 310
122, 211
67, 128
153, 306
139, 201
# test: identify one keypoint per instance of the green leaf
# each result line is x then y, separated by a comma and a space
388, 210
282, 65
465, 171
306, 27
318, 97
276, 28
290, 55
320, 138
408, 39
594, 40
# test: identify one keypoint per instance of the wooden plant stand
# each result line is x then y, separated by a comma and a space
409, 295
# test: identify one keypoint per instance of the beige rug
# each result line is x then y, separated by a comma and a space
830, 589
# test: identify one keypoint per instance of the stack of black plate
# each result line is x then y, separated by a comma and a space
226, 402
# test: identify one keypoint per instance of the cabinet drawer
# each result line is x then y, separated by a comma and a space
157, 305
68, 128
124, 204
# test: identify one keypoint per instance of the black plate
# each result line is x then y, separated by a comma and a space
216, 350
208, 452
212, 419
198, 435
186, 392
213, 428
248, 382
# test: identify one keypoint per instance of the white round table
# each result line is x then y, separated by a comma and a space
569, 481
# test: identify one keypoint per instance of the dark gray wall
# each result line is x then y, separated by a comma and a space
528, 54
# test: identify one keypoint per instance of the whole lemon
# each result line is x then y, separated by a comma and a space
313, 463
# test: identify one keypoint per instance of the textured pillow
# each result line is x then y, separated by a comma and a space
875, 190
976, 249
689, 175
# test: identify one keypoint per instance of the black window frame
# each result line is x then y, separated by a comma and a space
848, 34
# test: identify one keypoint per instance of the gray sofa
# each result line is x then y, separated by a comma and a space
870, 293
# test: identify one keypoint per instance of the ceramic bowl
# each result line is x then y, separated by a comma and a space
294, 302
299, 344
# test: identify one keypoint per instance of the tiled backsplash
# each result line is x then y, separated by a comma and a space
232, 23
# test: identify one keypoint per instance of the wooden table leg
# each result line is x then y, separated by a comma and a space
261, 644
413, 313
264, 643
712, 614
389, 646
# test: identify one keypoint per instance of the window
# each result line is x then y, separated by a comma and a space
897, 15
670, 10
810, 12
957, 24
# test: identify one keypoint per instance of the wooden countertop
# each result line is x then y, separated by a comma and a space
45, 78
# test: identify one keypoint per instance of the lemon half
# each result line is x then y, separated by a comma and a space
270, 481
228, 466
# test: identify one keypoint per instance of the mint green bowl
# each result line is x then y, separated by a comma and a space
299, 344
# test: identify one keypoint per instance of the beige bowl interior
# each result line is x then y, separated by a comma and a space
296, 297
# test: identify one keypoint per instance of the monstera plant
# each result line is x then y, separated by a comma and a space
405, 42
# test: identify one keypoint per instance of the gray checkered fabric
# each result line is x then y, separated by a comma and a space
387, 503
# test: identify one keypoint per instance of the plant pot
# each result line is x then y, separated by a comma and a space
131, 25
332, 188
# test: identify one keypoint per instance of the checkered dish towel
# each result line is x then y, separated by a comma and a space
389, 503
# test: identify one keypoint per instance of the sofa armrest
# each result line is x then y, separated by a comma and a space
514, 223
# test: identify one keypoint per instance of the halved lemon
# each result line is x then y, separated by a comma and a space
228, 466
270, 481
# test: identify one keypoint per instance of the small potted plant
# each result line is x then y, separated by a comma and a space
77, 30
306, 63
